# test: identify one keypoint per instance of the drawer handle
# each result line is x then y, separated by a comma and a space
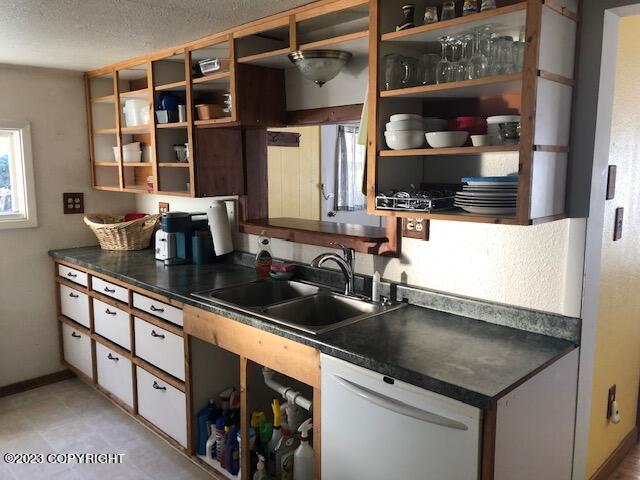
109, 312
109, 290
111, 357
157, 335
158, 387
156, 309
76, 335
73, 295
71, 275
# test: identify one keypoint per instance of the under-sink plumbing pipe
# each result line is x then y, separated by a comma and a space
288, 393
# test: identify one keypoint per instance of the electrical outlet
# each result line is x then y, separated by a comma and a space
610, 399
73, 203
415, 228
163, 207
617, 227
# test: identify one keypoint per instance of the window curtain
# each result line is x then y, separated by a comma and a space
350, 164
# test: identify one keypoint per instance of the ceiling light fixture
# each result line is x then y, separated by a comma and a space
319, 66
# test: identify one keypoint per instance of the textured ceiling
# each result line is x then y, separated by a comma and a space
86, 34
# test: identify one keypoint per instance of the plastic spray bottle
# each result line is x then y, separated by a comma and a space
264, 259
260, 472
303, 458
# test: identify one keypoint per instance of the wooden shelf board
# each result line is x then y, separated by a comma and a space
510, 16
142, 93
288, 225
171, 86
174, 165
356, 43
103, 99
213, 121
106, 164
172, 125
481, 87
135, 189
136, 129
105, 131
449, 151
137, 165
455, 215
274, 59
213, 77
107, 188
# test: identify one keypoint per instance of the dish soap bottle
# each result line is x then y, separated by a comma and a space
275, 438
264, 259
303, 458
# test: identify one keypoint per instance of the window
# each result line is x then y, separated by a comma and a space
350, 170
17, 189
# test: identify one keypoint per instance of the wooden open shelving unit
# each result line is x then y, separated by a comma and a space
539, 94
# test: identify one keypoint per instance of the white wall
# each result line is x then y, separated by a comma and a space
53, 101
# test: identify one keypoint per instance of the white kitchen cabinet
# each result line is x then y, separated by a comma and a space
111, 323
374, 430
160, 347
74, 275
158, 309
114, 373
74, 305
76, 348
110, 289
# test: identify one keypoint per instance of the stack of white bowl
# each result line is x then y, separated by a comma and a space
406, 130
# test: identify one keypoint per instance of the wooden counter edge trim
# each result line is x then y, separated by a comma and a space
162, 375
488, 447
283, 355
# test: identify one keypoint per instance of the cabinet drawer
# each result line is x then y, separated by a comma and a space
159, 347
163, 405
114, 373
77, 349
74, 305
159, 309
107, 288
76, 276
111, 323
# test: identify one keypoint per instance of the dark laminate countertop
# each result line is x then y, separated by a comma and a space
466, 359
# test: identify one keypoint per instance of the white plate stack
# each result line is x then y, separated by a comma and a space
488, 195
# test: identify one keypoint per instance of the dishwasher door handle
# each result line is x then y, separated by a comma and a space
398, 406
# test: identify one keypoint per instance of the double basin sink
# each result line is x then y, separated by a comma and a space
300, 305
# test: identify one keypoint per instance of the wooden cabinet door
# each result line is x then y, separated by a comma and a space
219, 162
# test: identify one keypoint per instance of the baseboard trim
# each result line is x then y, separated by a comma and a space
36, 382
617, 456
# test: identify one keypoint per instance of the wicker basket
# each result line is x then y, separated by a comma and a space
115, 234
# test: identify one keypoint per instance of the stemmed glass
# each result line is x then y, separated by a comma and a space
444, 65
478, 65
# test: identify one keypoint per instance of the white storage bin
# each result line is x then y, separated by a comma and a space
114, 373
77, 349
136, 112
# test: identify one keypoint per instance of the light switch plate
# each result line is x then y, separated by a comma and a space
73, 203
163, 207
617, 228
611, 182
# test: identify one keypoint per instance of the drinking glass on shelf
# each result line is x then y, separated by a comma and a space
427, 68
430, 15
487, 5
478, 65
392, 71
456, 67
518, 56
409, 66
444, 65
448, 10
503, 58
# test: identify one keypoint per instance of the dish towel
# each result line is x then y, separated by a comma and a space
363, 137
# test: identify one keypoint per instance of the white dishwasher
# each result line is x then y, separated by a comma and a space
374, 427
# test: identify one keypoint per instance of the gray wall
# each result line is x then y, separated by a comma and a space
586, 102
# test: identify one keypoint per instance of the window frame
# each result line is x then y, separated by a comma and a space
23, 175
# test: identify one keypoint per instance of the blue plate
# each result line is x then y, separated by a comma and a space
505, 179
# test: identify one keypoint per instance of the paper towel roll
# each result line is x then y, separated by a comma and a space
220, 228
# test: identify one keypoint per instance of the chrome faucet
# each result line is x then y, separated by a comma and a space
345, 262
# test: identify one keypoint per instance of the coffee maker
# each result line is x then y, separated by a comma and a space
180, 232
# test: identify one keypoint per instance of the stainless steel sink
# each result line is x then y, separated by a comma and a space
296, 304
259, 294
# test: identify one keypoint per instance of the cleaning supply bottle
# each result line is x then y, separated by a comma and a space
275, 438
303, 458
260, 474
210, 446
204, 426
232, 451
264, 259
220, 438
